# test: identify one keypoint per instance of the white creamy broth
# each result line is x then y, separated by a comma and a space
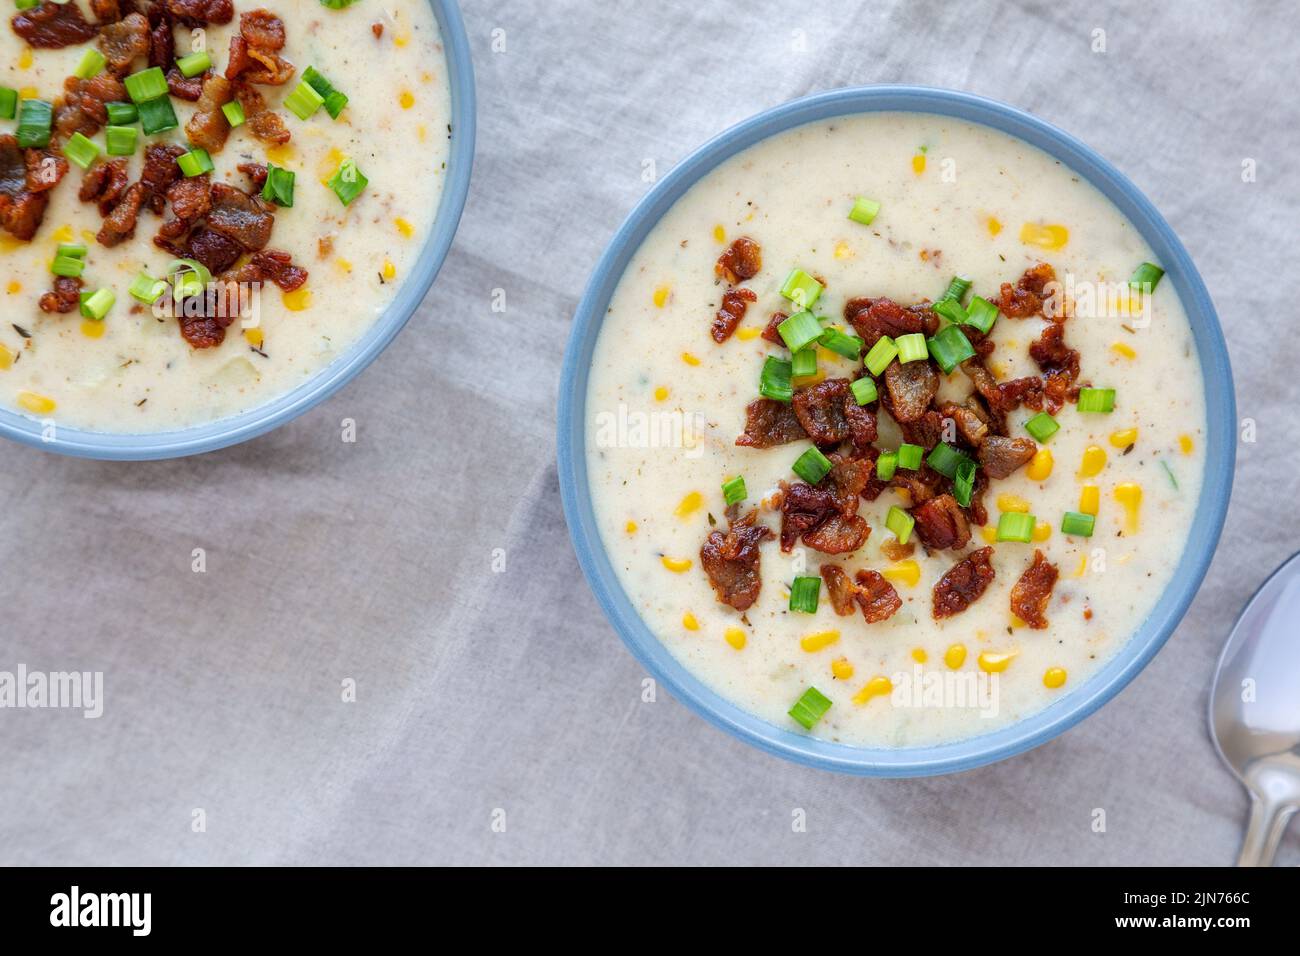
135, 373
954, 198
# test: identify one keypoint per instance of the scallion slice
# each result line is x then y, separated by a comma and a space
194, 64
981, 314
1016, 526
733, 490
348, 182
337, 4
120, 140
812, 704
803, 364
34, 119
147, 85
804, 593
841, 343
92, 61
334, 100
900, 522
799, 330
958, 286
812, 466
157, 116
69, 266
26, 4
195, 163
909, 456
864, 390
775, 382
880, 355
1042, 427
945, 459
1170, 473
911, 347
864, 210
1147, 276
951, 310
334, 103
188, 277
121, 114
145, 288
234, 113
76, 250
1096, 400
801, 288
963, 483
279, 186
949, 347
303, 101
1075, 522
886, 465
8, 102
96, 305
80, 150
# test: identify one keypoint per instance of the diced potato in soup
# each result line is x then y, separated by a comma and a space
133, 371
941, 562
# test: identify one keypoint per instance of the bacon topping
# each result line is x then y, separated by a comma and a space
208, 127
119, 224
941, 524
123, 41
197, 13
1033, 591
909, 388
104, 183
769, 423
741, 260
963, 584
872, 318
731, 561
53, 25
876, 596
1025, 298
26, 177
241, 217
838, 534
82, 108
734, 304
64, 297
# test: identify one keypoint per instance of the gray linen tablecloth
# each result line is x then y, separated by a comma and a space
479, 691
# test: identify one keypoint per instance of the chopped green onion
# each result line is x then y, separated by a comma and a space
1148, 276
80, 150
334, 103
864, 210
334, 100
157, 116
813, 704
949, 347
981, 314
8, 102
886, 465
348, 182
864, 390
958, 286
841, 343
951, 310
120, 140
881, 354
194, 64
121, 114
1042, 427
909, 456
1075, 522
337, 4
799, 330
1170, 472
145, 288
303, 101
945, 459
801, 288
279, 186
812, 466
195, 163
803, 364
96, 305
963, 483
69, 266
1016, 526
189, 277
804, 593
911, 347
1096, 400
733, 490
146, 85
34, 119
234, 112
899, 522
92, 61
26, 4
76, 250
775, 380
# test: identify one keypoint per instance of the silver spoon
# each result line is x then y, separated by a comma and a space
1255, 709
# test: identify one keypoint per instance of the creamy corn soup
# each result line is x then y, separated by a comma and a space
895, 583
133, 371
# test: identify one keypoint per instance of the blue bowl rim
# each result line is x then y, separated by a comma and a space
1031, 731
111, 446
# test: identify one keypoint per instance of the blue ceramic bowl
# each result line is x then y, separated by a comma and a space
259, 420
1070, 708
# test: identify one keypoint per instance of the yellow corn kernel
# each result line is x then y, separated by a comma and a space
6, 357
747, 333
1040, 466
989, 533
1045, 237
92, 329
1090, 499
719, 234
919, 655
254, 337
343, 265
401, 39
1082, 569
38, 404
843, 250
390, 270
404, 227
806, 380
406, 99
994, 662
1016, 622
1094, 460
918, 163
841, 669
690, 359
325, 171
689, 622
1129, 494
28, 93
14, 287
689, 504
661, 393
1054, 677
63, 234
1042, 531
1185, 444
88, 236
426, 77
735, 637
994, 226
1124, 437
877, 686
422, 133
297, 300
1013, 503
630, 527
1124, 349
661, 296
955, 656
283, 153
676, 565
904, 572
25, 58
819, 640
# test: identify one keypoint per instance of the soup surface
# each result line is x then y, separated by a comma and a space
133, 371
950, 627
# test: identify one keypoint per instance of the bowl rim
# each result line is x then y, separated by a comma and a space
209, 436
1150, 636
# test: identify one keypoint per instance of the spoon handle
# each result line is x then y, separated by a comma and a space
1268, 820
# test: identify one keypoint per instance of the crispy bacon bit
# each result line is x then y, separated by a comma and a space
838, 534
941, 524
963, 584
119, 225
202, 331
82, 109
254, 64
213, 249
262, 29
895, 550
262, 123
1059, 362
279, 268
45, 170
872, 318
847, 479
208, 127
734, 304
184, 87
26, 177
123, 41
741, 260
908, 390
1001, 457
803, 508
876, 596
53, 25
840, 588
65, 296
162, 39
106, 11
968, 420
256, 173
821, 408
770, 333
104, 183
1031, 593
191, 197
197, 13
1025, 298
921, 485
1021, 391
241, 217
160, 171
377, 29
769, 423
927, 431
731, 561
